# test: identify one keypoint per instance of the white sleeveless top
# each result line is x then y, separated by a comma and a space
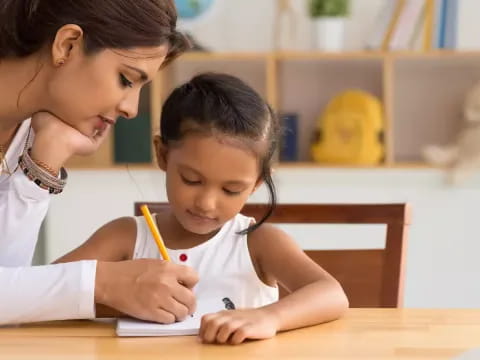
223, 264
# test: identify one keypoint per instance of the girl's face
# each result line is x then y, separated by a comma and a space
208, 180
91, 92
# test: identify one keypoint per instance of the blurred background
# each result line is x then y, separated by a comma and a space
372, 94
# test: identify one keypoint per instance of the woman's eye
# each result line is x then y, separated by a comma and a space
189, 182
125, 82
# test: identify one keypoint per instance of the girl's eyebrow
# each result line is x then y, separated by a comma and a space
143, 74
228, 182
186, 167
236, 182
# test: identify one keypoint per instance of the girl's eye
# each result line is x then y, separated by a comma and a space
231, 193
189, 182
125, 82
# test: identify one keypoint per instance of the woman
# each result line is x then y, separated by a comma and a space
73, 67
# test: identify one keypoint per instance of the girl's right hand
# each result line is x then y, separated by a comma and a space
55, 141
148, 289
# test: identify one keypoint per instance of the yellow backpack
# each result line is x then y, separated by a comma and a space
350, 131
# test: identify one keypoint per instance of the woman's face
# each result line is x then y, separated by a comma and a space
89, 92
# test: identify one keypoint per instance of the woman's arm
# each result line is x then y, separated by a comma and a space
114, 241
50, 292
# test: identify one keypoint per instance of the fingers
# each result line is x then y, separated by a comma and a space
187, 276
227, 330
209, 327
185, 297
162, 316
220, 328
177, 309
100, 135
240, 335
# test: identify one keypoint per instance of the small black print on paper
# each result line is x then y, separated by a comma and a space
229, 305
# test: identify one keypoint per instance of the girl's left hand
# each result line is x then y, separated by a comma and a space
235, 326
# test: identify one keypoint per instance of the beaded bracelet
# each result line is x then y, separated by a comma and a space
40, 176
45, 167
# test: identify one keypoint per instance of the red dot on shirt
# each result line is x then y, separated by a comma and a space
183, 257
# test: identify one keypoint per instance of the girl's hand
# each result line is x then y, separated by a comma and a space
235, 326
55, 141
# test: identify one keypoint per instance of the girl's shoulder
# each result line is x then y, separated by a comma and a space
265, 238
118, 235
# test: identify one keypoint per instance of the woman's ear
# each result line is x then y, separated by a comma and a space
68, 40
161, 151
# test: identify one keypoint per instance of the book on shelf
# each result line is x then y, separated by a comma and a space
450, 24
383, 24
415, 24
408, 22
289, 138
132, 140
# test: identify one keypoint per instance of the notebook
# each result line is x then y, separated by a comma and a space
190, 326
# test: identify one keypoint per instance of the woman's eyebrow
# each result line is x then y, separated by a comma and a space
143, 74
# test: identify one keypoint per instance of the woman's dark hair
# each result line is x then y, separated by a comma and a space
223, 104
28, 25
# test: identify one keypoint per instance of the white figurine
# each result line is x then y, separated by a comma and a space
461, 157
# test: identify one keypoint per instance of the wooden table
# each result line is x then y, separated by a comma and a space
361, 334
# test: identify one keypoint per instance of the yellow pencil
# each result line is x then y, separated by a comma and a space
154, 230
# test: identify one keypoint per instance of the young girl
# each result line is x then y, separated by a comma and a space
216, 146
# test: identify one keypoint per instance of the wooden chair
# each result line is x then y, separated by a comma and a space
370, 278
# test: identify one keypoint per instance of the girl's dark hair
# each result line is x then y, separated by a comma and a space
220, 103
28, 25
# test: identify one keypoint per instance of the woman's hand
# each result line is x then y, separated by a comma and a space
235, 326
148, 289
55, 141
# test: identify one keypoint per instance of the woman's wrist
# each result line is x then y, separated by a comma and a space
100, 283
51, 154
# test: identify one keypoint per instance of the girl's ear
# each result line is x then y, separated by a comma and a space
161, 151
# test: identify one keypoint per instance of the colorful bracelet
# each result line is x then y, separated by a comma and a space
40, 176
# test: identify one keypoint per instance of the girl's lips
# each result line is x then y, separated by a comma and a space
200, 217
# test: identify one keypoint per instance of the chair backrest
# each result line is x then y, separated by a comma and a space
370, 278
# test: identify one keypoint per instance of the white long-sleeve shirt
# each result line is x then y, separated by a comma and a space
34, 293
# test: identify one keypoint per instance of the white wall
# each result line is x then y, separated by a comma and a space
442, 260
444, 246
247, 25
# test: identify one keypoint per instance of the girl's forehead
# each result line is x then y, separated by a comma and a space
215, 138
213, 154
200, 144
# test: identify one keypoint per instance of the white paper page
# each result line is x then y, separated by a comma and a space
190, 326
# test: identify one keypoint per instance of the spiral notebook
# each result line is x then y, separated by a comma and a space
190, 326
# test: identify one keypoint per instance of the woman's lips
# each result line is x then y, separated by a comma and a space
101, 125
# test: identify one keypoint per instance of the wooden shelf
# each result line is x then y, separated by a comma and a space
422, 93
281, 165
